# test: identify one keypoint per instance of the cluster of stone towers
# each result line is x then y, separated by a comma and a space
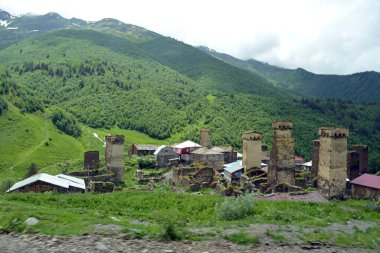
329, 166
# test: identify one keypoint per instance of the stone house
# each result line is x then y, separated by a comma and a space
164, 156
209, 156
42, 182
366, 186
141, 149
230, 155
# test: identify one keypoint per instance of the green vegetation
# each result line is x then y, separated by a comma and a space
242, 238
360, 87
235, 208
172, 216
66, 123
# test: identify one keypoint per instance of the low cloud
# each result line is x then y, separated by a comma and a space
335, 37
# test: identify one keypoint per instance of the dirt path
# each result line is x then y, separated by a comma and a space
95, 243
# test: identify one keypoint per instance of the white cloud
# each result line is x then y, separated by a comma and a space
320, 36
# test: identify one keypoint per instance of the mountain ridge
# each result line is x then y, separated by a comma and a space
362, 87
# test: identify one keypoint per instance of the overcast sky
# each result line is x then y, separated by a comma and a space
338, 37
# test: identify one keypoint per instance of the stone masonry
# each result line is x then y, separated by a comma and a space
315, 162
205, 138
332, 167
115, 156
281, 168
252, 153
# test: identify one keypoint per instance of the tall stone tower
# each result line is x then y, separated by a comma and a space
205, 138
252, 153
315, 161
332, 167
281, 167
115, 156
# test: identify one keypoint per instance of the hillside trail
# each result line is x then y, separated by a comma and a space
29, 152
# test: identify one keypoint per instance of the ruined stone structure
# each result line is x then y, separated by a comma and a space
205, 138
115, 156
357, 161
91, 160
315, 162
252, 150
362, 150
332, 167
281, 169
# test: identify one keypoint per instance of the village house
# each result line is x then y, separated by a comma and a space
230, 155
211, 157
366, 186
183, 149
165, 156
43, 182
141, 149
233, 171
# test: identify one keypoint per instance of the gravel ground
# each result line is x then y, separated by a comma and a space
95, 243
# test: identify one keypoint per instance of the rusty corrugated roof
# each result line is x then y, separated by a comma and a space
367, 180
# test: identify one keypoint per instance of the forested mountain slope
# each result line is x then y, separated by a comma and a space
359, 87
112, 74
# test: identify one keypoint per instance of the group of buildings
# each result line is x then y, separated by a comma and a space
334, 170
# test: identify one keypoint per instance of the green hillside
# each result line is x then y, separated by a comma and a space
116, 77
359, 87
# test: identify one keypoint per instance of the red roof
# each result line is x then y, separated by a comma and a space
298, 159
367, 180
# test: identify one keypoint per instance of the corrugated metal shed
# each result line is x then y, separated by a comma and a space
233, 167
367, 180
60, 180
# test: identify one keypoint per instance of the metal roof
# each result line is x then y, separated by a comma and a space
233, 167
308, 164
187, 144
146, 147
169, 150
61, 180
367, 180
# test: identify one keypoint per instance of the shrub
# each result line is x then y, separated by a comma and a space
242, 238
235, 208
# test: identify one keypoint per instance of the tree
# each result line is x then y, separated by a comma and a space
32, 170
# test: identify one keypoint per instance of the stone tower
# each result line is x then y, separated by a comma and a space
115, 156
205, 137
252, 153
332, 167
281, 167
315, 162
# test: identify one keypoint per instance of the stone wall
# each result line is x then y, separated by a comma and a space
332, 168
362, 192
315, 162
252, 150
281, 169
91, 160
